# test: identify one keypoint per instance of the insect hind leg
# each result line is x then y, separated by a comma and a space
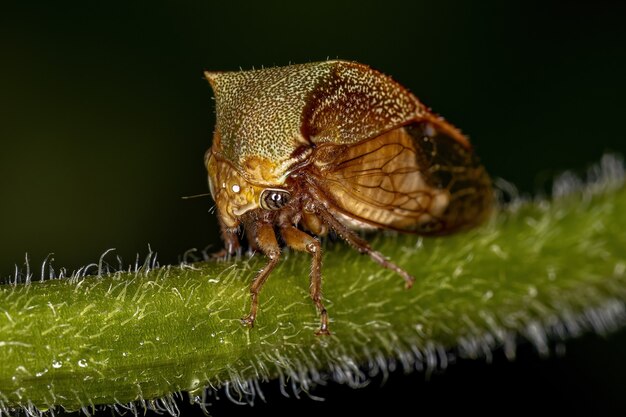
363, 246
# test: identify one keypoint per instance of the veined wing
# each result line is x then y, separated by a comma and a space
418, 178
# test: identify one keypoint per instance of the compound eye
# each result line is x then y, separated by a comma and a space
274, 199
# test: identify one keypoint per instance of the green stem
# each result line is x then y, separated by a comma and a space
538, 270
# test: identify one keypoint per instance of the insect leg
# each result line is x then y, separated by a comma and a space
314, 224
362, 246
301, 241
231, 242
266, 239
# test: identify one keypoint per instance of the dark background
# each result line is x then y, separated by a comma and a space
105, 117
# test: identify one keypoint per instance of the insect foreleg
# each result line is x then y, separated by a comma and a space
266, 240
231, 242
301, 241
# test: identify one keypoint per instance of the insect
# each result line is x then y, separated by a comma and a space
306, 149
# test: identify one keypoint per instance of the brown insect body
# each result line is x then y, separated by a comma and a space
337, 146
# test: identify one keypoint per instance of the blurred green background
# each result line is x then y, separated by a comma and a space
105, 116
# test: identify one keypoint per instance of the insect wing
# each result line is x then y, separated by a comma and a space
418, 178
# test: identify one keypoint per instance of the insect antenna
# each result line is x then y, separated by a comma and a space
189, 197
